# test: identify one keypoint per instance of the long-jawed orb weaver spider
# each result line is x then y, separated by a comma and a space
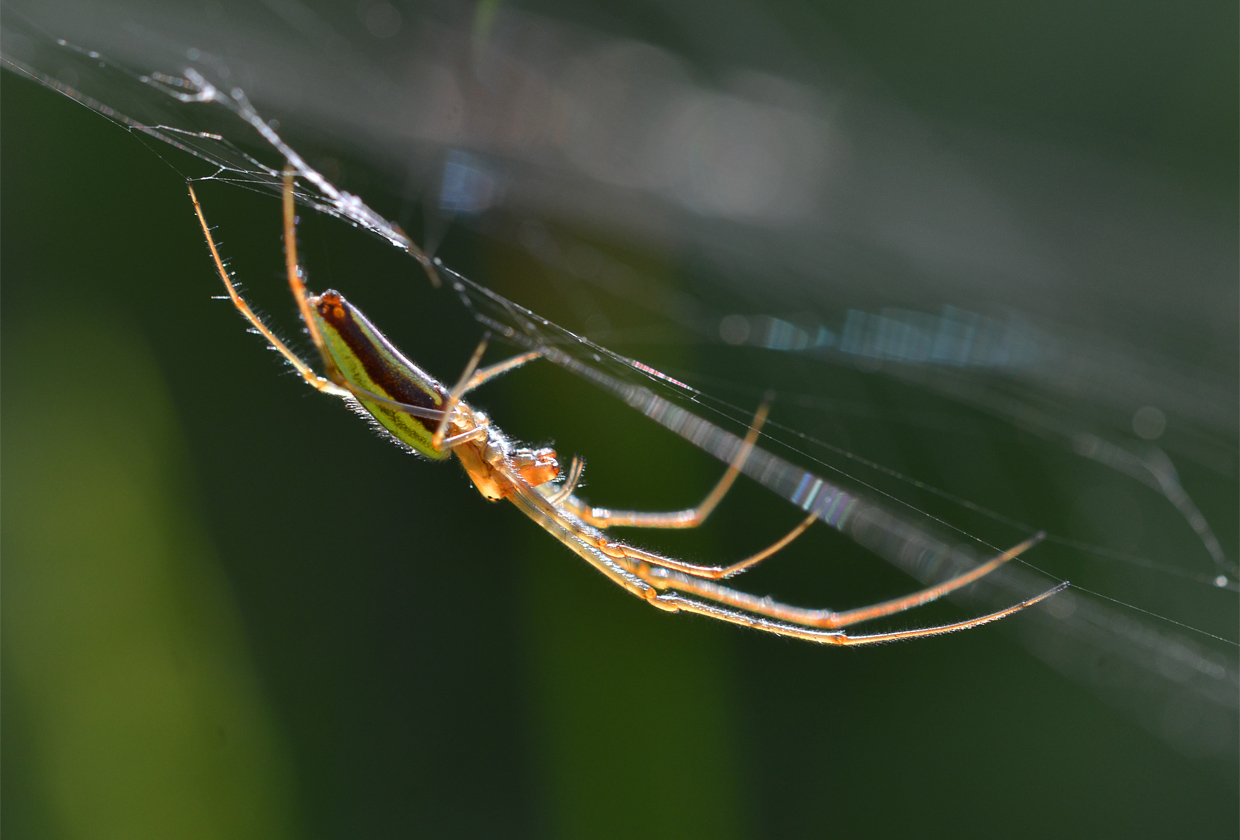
363, 368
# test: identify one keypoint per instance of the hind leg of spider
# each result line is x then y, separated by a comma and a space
672, 601
665, 578
296, 283
307, 373
688, 518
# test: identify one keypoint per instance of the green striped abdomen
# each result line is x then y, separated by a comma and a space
369, 362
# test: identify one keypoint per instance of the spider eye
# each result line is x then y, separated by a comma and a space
330, 306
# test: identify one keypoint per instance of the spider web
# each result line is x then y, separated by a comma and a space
1159, 664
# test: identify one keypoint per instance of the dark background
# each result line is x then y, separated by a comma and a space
230, 609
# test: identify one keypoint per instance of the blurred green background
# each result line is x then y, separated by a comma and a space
229, 610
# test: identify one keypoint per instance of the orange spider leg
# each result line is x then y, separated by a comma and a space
307, 373
617, 549
689, 518
664, 578
674, 602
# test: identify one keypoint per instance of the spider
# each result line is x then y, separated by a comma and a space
420, 414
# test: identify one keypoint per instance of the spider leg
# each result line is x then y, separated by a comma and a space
307, 373
676, 601
458, 390
570, 531
664, 579
602, 518
476, 433
617, 549
486, 374
725, 604
338, 387
556, 495
471, 379
296, 282
688, 518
